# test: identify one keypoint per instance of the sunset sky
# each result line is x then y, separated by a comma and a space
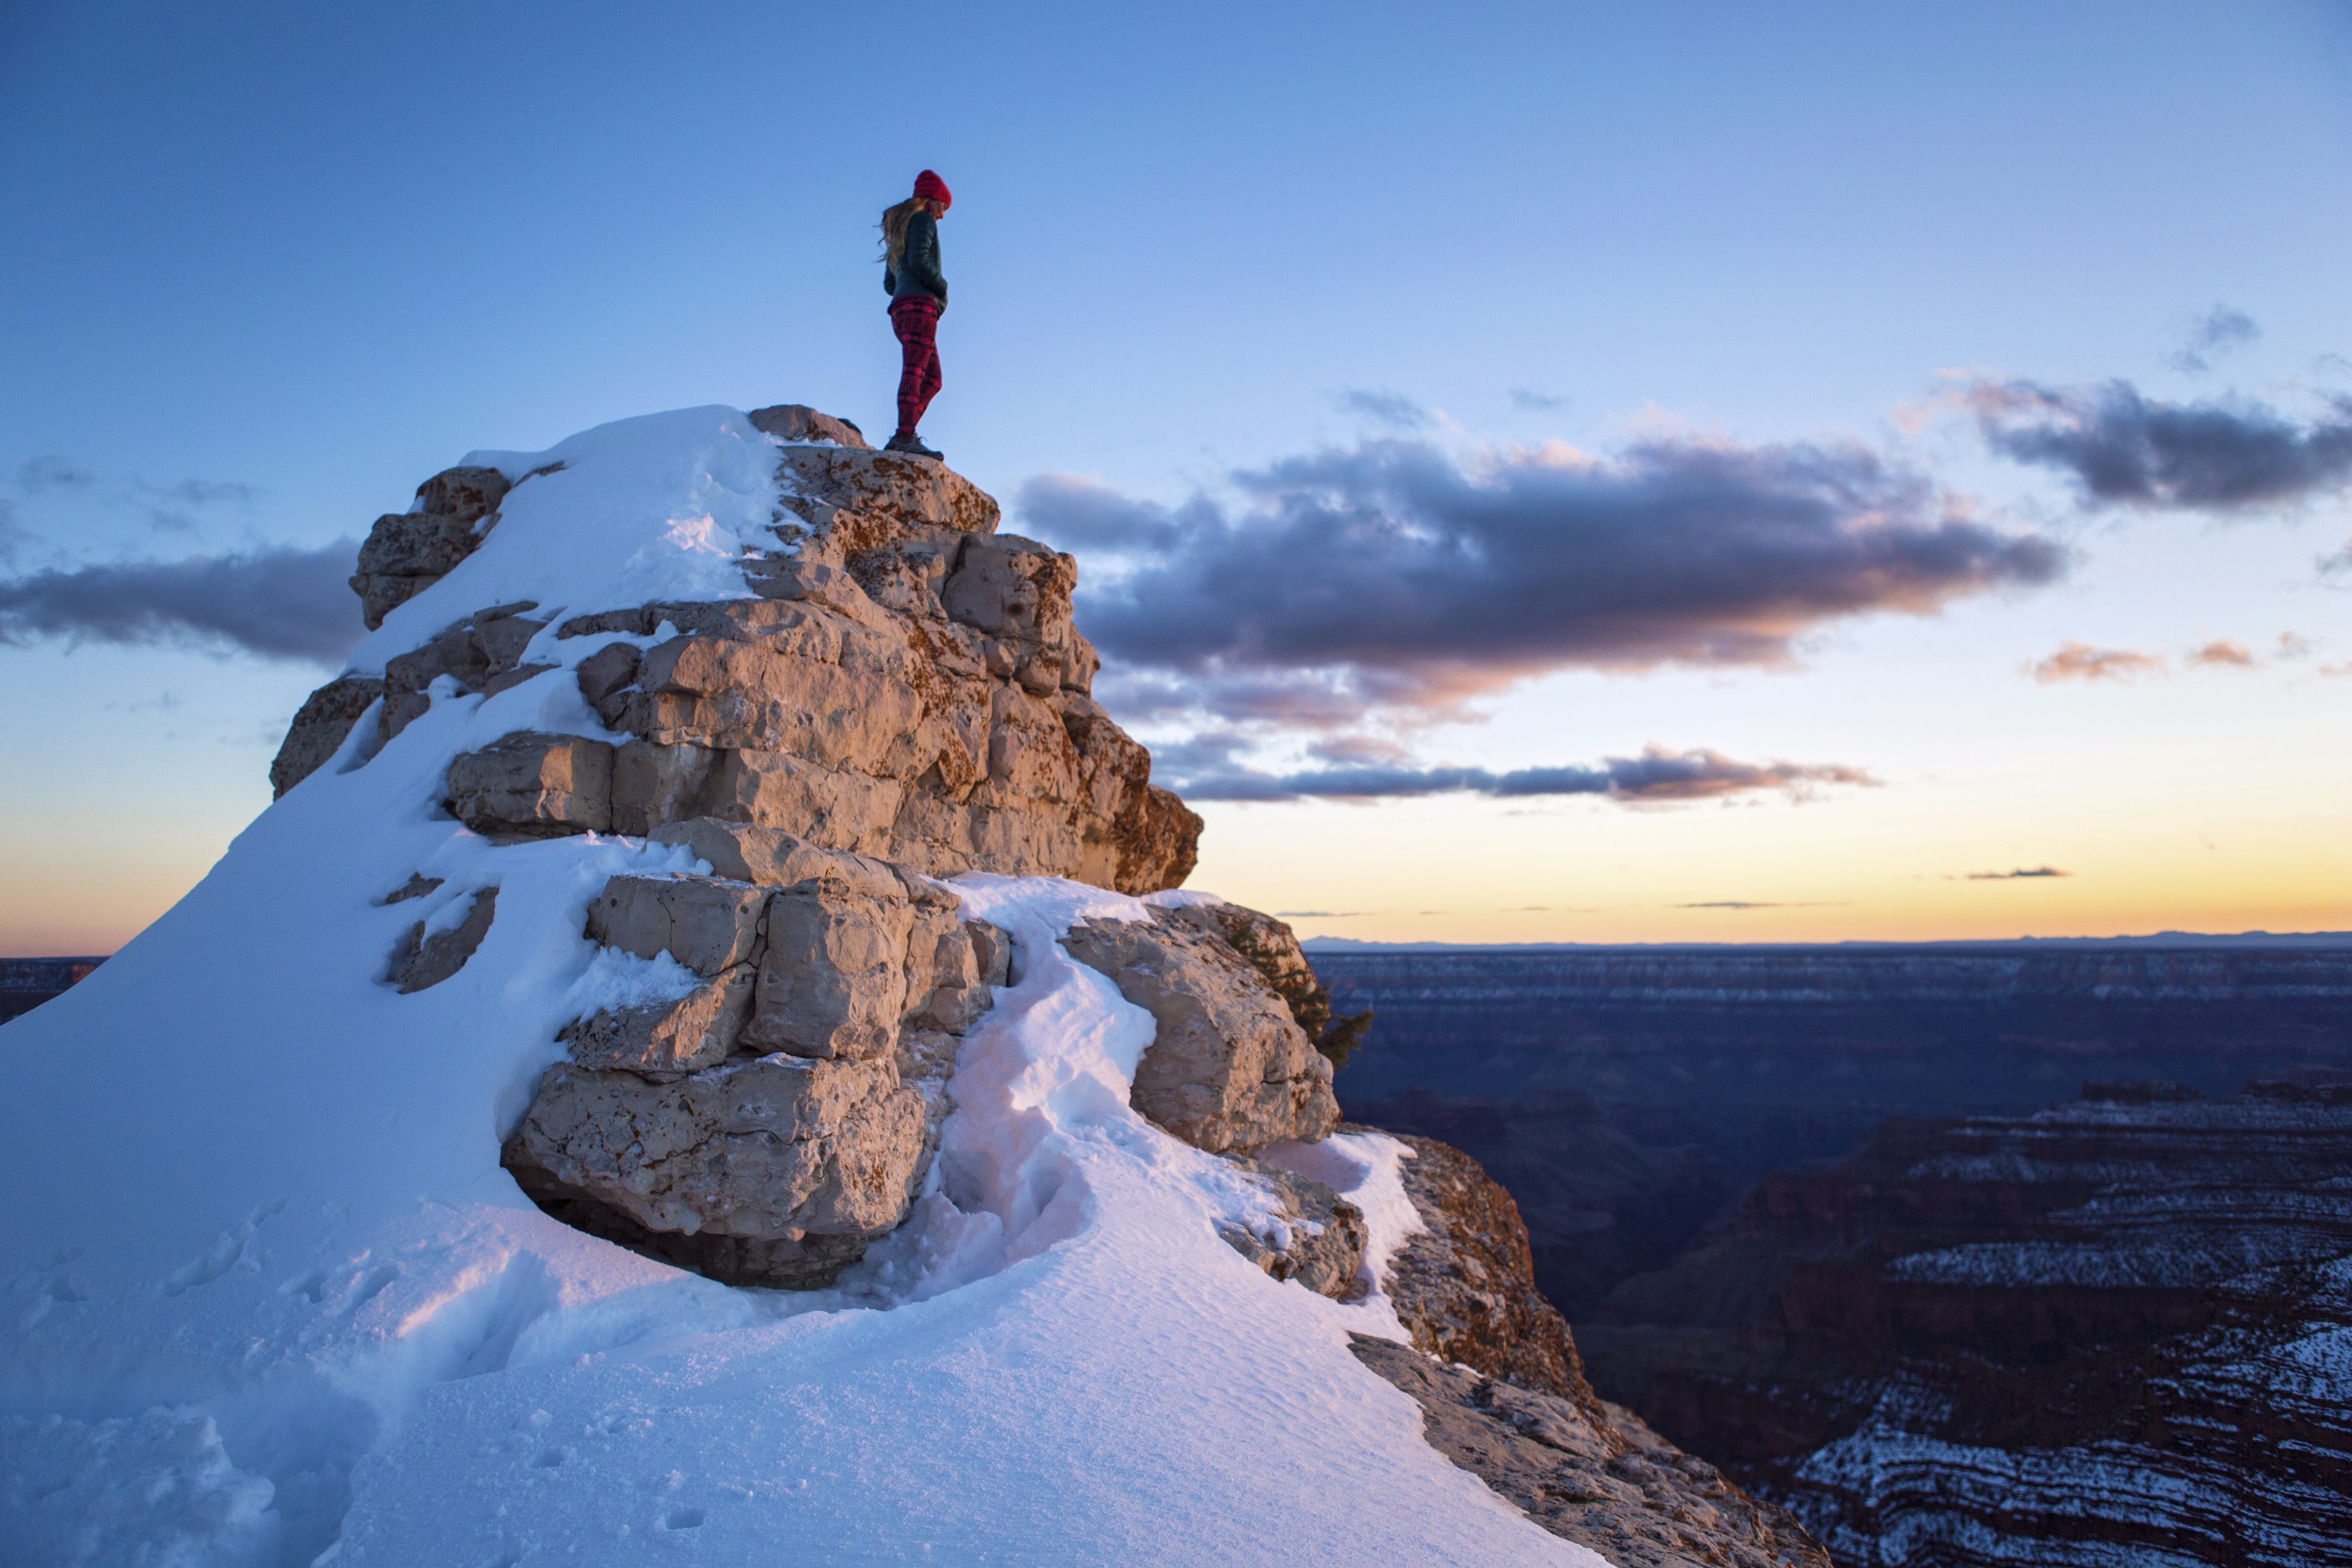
1698, 472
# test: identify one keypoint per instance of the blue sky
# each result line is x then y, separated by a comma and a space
265, 270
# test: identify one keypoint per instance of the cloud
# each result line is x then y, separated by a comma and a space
1540, 402
1393, 409
1744, 904
1657, 776
168, 506
281, 603
52, 473
2295, 646
1391, 575
2081, 661
2219, 330
2223, 653
2337, 563
14, 535
2022, 874
2126, 450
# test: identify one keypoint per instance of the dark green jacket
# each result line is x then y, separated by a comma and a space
918, 271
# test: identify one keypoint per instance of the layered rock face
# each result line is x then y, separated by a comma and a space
1503, 1396
2110, 1332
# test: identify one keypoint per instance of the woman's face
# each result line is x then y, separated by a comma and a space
936, 209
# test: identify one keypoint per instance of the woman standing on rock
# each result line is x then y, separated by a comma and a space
910, 275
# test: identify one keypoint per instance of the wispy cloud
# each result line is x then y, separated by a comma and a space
14, 535
173, 507
2124, 449
2081, 661
2217, 331
281, 603
1745, 904
1393, 409
40, 475
2223, 653
1538, 401
1656, 777
2022, 874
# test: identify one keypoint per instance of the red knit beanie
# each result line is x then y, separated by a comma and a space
931, 188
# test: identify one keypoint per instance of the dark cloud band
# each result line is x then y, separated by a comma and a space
1394, 574
2123, 448
1656, 776
279, 604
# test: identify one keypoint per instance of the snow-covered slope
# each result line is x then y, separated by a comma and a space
271, 1297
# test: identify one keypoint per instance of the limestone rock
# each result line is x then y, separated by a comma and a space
666, 1038
797, 422
407, 552
655, 784
1319, 1242
945, 988
606, 678
1605, 1481
906, 684
1229, 1069
320, 729
839, 808
477, 649
926, 1059
774, 1149
423, 960
771, 857
833, 979
992, 951
1272, 948
1464, 1286
881, 490
706, 924
467, 495
533, 785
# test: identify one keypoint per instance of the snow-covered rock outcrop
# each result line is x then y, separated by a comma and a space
629, 816
707, 1061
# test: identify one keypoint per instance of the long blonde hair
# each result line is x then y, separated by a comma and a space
894, 229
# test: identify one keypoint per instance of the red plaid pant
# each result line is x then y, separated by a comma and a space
916, 320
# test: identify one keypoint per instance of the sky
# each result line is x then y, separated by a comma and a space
1690, 472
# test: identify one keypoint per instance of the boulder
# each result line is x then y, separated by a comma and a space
1228, 1070
407, 552
464, 495
1273, 950
777, 1149
832, 977
606, 678
422, 961
797, 422
320, 726
1318, 1241
882, 492
532, 785
666, 1039
706, 924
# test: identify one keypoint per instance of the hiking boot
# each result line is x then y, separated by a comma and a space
910, 445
